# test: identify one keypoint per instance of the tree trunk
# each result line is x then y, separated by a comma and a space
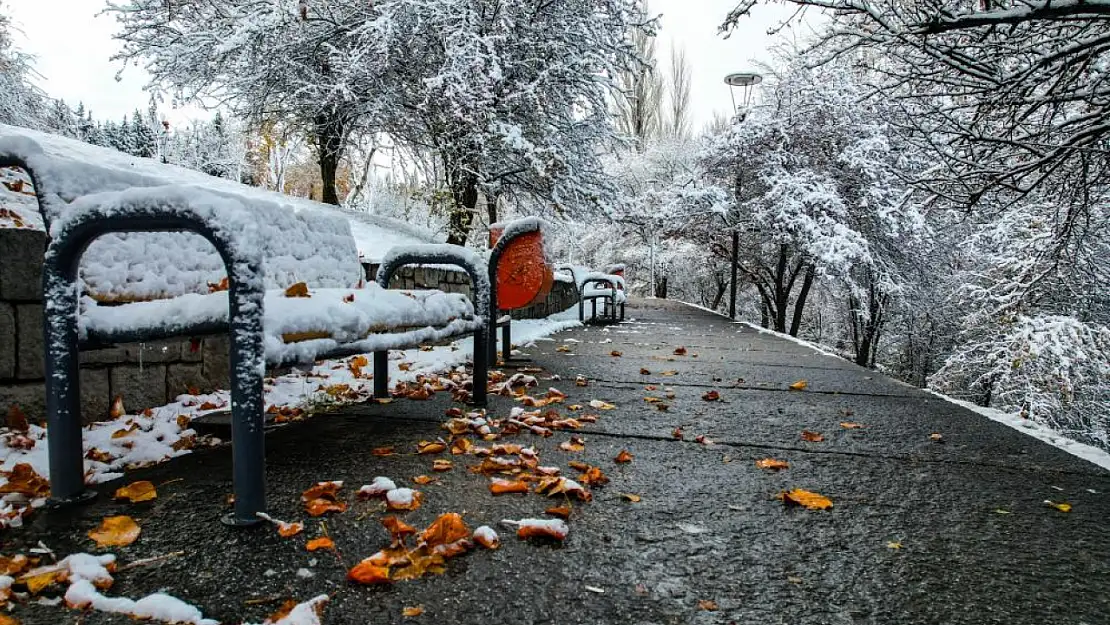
491, 208
329, 147
465, 195
800, 302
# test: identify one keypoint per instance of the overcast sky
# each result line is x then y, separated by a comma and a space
73, 47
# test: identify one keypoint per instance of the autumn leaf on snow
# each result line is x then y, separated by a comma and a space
299, 289
771, 463
23, 480
115, 531
17, 421
623, 457
136, 492
812, 437
806, 499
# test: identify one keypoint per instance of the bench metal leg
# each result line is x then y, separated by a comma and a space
593, 309
507, 342
248, 439
622, 311
581, 309
481, 367
381, 375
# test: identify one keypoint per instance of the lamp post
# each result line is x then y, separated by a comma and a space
745, 83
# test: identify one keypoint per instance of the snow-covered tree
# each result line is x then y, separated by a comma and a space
21, 102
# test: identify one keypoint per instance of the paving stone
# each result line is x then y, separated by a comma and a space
30, 360
21, 253
7, 341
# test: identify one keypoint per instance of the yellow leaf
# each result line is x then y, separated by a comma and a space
115, 531
800, 385
631, 497
137, 491
413, 611
805, 498
601, 405
893, 544
8, 620
1062, 507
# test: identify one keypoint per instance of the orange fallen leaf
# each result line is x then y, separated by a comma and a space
382, 451
216, 287
459, 446
555, 529
8, 620
348, 298
771, 463
410, 612
486, 537
136, 492
320, 507
288, 530
581, 381
397, 528
423, 480
117, 410
322, 489
431, 447
631, 497
800, 385
812, 437
708, 605
446, 529
403, 499
14, 565
601, 405
499, 486
23, 480
299, 289
669, 373
806, 499
366, 572
322, 542
848, 425
563, 512
575, 444
623, 457
593, 477
115, 531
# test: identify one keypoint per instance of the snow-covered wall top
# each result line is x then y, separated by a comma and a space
303, 241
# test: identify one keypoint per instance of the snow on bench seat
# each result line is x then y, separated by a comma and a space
302, 240
298, 329
593, 291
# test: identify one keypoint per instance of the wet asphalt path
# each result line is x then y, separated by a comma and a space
920, 531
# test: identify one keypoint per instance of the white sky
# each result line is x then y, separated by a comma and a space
73, 47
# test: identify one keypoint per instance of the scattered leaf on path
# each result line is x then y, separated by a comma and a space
563, 512
937, 436
677, 433
1062, 507
634, 498
707, 605
412, 611
615, 354
711, 396
597, 404
322, 542
800, 385
893, 544
442, 464
368, 573
812, 437
623, 457
555, 529
805, 498
645, 372
849, 425
115, 531
381, 451
680, 351
773, 464
137, 491
499, 486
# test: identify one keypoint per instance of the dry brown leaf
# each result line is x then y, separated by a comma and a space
937, 436
115, 531
615, 354
555, 529
669, 373
711, 396
299, 289
677, 433
382, 451
563, 512
597, 404
442, 465
800, 385
812, 437
806, 499
499, 486
849, 425
771, 463
412, 611
397, 528
623, 457
593, 477
680, 351
575, 444
17, 421
402, 504
320, 507
708, 605
563, 348
14, 565
645, 372
322, 542
136, 492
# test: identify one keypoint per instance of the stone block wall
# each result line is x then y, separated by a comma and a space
143, 374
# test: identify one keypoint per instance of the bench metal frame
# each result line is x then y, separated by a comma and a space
611, 304
482, 308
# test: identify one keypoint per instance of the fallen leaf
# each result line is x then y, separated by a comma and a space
368, 573
322, 542
707, 605
581, 381
893, 544
117, 410
136, 492
348, 298
575, 444
397, 528
403, 499
601, 405
623, 457
115, 531
563, 512
442, 465
793, 579
937, 436
423, 480
412, 611
448, 528
771, 463
499, 486
299, 289
486, 537
848, 425
704, 440
812, 437
381, 451
288, 530
631, 497
805, 498
677, 433
23, 480
555, 529
615, 354
711, 396
593, 476
1001, 511
800, 385
320, 507
680, 351
1062, 507
14, 565
645, 372
669, 373
431, 447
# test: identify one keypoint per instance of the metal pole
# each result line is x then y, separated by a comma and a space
735, 263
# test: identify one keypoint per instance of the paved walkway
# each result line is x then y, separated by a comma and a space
978, 543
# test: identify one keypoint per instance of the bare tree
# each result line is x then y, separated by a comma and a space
678, 95
639, 111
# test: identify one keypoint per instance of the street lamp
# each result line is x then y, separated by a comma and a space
745, 83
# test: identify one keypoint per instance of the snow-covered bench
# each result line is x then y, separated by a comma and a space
81, 203
609, 288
